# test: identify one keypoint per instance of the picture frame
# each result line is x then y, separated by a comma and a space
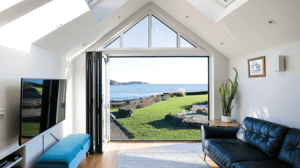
256, 67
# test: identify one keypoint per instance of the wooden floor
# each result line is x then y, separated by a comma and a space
110, 157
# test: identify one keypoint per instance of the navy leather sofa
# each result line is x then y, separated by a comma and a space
255, 144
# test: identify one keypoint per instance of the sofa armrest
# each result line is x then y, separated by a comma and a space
217, 132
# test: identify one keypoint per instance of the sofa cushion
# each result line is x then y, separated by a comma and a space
260, 164
290, 151
263, 135
228, 151
65, 152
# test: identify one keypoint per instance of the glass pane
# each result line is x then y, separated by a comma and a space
137, 36
162, 35
155, 87
115, 44
185, 44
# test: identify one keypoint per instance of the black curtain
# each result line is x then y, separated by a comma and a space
94, 100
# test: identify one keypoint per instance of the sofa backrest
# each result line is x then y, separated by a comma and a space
290, 151
264, 135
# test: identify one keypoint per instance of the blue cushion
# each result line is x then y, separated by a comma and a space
67, 153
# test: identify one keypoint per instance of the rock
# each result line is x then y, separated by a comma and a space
193, 119
126, 111
201, 111
163, 98
118, 105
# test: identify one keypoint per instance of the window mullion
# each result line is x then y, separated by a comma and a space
178, 40
150, 31
121, 40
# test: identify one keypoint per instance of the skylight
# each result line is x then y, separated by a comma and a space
225, 2
7, 4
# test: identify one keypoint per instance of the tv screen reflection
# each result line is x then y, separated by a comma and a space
42, 106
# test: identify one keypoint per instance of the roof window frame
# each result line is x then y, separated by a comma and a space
225, 3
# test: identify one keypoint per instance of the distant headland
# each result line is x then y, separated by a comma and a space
113, 82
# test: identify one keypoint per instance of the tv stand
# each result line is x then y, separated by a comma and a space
17, 150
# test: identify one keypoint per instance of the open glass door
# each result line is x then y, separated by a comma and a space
102, 104
105, 122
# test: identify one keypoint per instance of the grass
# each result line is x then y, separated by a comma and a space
150, 123
30, 129
39, 89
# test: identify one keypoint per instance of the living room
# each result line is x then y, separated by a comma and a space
49, 40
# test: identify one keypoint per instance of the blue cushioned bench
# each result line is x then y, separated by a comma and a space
67, 153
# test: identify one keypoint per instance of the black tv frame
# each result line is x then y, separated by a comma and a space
21, 103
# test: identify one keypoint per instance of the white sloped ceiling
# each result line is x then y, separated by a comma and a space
243, 31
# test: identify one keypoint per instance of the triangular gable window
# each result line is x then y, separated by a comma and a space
161, 36
137, 36
185, 44
115, 44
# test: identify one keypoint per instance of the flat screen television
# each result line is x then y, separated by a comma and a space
43, 104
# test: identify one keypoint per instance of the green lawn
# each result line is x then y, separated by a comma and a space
30, 129
150, 123
39, 89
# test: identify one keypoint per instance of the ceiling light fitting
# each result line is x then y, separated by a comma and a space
271, 21
59, 25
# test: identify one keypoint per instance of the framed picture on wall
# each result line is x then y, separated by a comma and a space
256, 67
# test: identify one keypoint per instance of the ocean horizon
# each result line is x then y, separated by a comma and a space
136, 91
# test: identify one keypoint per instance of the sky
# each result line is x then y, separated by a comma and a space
169, 70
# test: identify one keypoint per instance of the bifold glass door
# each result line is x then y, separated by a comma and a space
97, 104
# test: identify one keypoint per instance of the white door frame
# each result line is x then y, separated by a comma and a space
142, 53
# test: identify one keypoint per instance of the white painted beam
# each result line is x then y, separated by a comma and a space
155, 52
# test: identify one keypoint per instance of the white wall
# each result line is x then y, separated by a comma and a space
14, 65
80, 95
274, 97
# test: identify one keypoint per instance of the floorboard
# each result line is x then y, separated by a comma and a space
110, 157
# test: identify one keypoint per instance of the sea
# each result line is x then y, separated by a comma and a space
136, 91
